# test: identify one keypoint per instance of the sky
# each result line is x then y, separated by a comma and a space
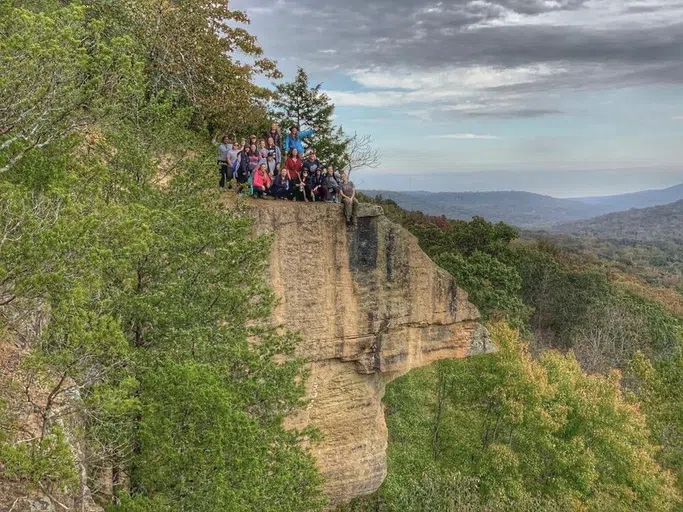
561, 97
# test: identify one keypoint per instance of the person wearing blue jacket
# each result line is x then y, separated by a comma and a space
294, 138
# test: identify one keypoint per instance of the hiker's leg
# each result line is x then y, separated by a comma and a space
231, 176
222, 171
348, 210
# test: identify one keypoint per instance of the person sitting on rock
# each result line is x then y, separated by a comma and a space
311, 163
293, 163
261, 181
299, 187
348, 196
272, 167
330, 186
294, 138
315, 184
282, 186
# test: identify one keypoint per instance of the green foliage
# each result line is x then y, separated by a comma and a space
493, 286
562, 298
48, 460
201, 448
300, 104
59, 75
187, 49
519, 431
149, 295
659, 385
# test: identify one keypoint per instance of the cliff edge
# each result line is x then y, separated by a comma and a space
370, 306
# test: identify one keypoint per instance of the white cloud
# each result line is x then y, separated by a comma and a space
456, 79
467, 90
466, 136
677, 118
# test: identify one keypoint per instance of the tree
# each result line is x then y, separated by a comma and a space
493, 286
519, 432
59, 76
297, 103
659, 384
361, 153
142, 305
187, 49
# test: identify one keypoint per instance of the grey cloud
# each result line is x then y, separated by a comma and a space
516, 113
424, 35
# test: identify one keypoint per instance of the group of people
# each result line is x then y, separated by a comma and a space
273, 167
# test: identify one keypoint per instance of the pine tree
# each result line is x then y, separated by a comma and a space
302, 105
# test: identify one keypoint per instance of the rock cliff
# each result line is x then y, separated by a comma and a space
370, 306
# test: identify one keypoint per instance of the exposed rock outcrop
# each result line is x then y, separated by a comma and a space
370, 306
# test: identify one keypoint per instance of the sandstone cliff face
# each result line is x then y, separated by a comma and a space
370, 306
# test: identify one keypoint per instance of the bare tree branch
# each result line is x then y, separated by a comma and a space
361, 153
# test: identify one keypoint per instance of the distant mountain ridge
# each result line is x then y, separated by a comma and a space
643, 199
522, 209
657, 223
526, 209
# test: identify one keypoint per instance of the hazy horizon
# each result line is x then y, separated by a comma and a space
559, 184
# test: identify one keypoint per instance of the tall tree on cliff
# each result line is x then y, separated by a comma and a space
300, 104
188, 49
145, 286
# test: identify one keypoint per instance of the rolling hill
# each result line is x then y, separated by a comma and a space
522, 209
644, 199
643, 225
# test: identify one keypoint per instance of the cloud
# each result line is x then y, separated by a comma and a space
677, 118
478, 91
466, 136
517, 113
511, 56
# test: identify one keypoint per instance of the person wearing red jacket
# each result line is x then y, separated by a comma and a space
293, 164
261, 181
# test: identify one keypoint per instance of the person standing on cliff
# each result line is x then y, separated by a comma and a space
294, 138
274, 151
348, 194
293, 164
225, 163
274, 133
